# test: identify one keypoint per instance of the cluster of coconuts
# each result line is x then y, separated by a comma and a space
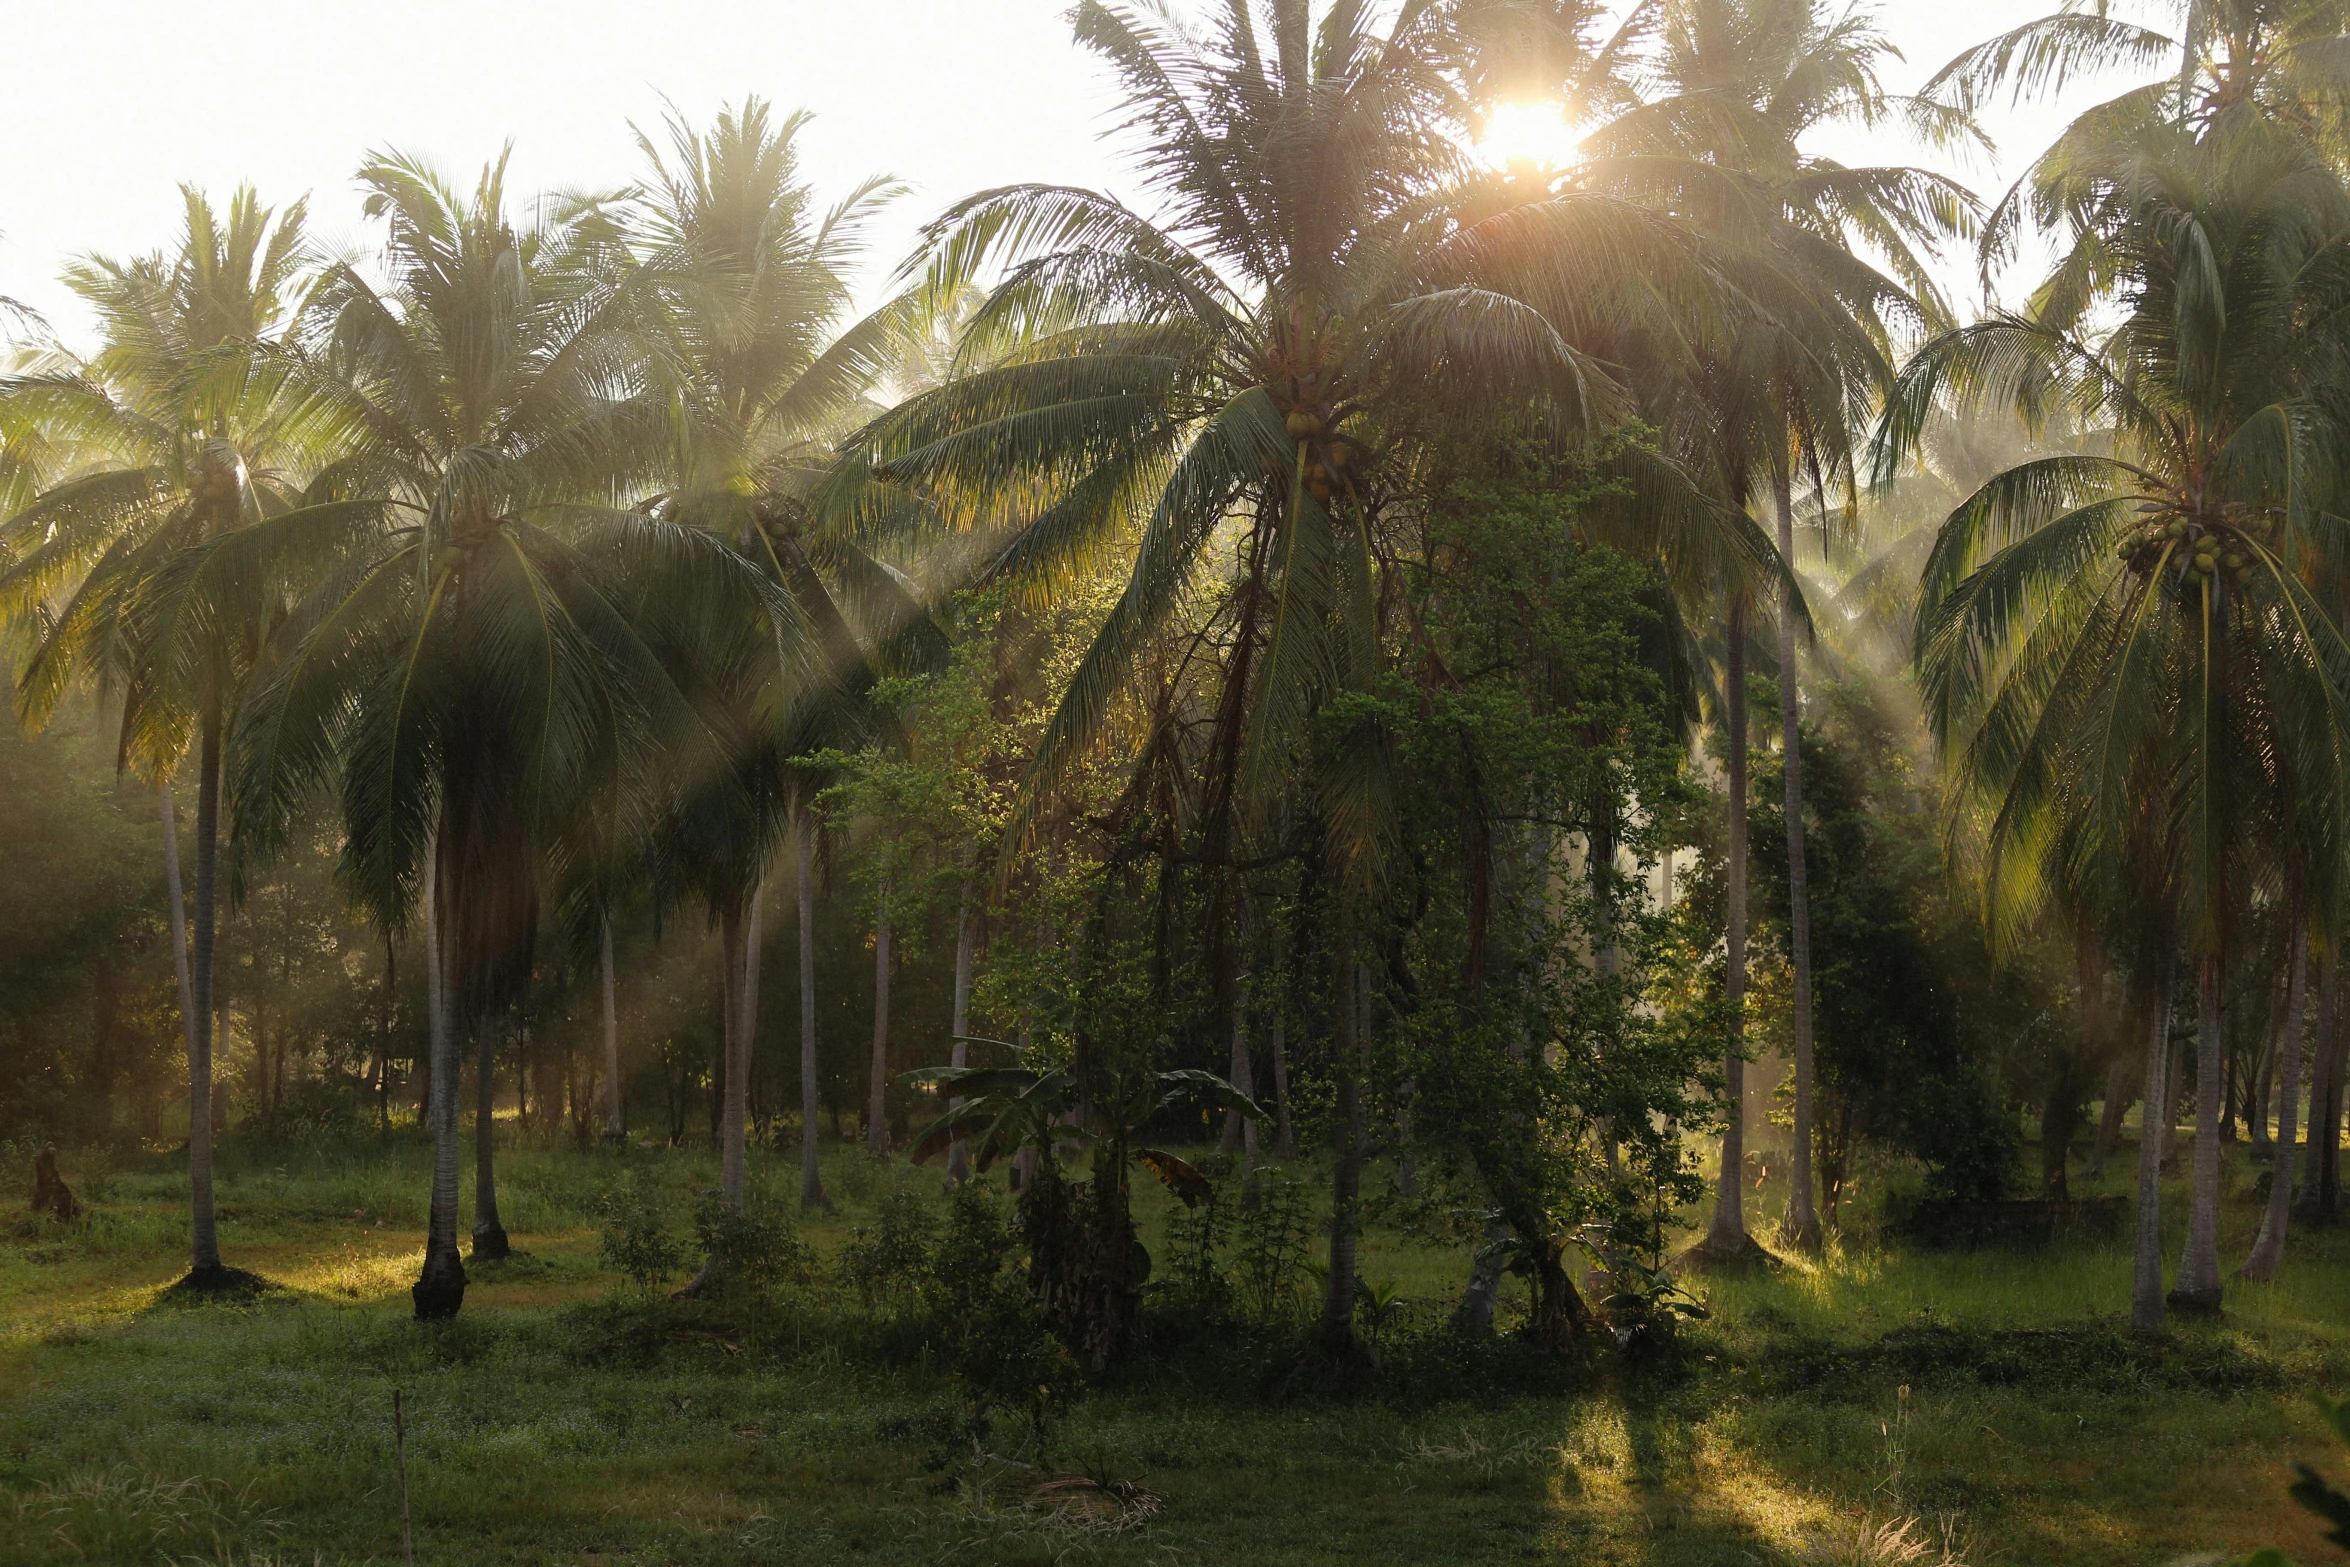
1304, 424
213, 487
2208, 551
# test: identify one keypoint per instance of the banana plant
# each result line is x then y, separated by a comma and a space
1007, 1108
1086, 1264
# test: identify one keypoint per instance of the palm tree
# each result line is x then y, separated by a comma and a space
165, 441
1744, 81
1328, 296
2119, 650
472, 663
747, 287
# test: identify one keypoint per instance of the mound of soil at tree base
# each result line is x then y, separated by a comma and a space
1743, 1255
1953, 1224
218, 1282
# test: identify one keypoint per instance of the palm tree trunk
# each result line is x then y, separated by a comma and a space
1239, 1130
2198, 1288
204, 1232
1284, 1129
1338, 1302
195, 1015
877, 1092
2269, 1250
811, 1178
1726, 1237
1803, 1219
441, 1289
2263, 1076
615, 1129
735, 937
2146, 1287
2170, 1121
2109, 1123
489, 1236
2326, 1070
966, 942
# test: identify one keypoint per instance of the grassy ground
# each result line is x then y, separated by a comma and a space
2031, 1430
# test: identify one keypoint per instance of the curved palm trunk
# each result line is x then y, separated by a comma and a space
195, 1020
1726, 1238
2198, 1288
2146, 1286
489, 1235
2269, 1250
615, 1128
1338, 1302
1803, 1220
966, 940
441, 1290
811, 1179
877, 1093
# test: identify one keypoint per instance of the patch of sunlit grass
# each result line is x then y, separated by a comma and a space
355, 1273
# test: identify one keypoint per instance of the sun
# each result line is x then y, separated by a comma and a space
1521, 136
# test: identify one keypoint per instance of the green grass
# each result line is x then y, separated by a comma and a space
2033, 1430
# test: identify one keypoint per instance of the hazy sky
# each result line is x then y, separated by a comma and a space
111, 104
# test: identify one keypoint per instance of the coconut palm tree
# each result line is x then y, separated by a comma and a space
1329, 293
2120, 651
1837, 256
746, 287
163, 441
471, 666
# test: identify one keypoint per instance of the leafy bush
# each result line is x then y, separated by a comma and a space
999, 1345
637, 1240
753, 1248
885, 1262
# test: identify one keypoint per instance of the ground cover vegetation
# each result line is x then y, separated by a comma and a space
1316, 1019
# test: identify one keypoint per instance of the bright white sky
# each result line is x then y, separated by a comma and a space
113, 103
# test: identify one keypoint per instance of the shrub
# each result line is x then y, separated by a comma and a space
755, 1247
885, 1262
637, 1240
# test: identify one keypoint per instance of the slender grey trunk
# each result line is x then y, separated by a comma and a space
2109, 1124
2170, 1122
2264, 1077
1241, 1073
2146, 1287
745, 935
2198, 1288
2269, 1250
489, 1235
1803, 1219
615, 1128
1338, 1303
966, 941
441, 1289
1284, 1130
1236, 1125
811, 1177
2325, 1069
877, 1093
203, 1215
1727, 1234
204, 1224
